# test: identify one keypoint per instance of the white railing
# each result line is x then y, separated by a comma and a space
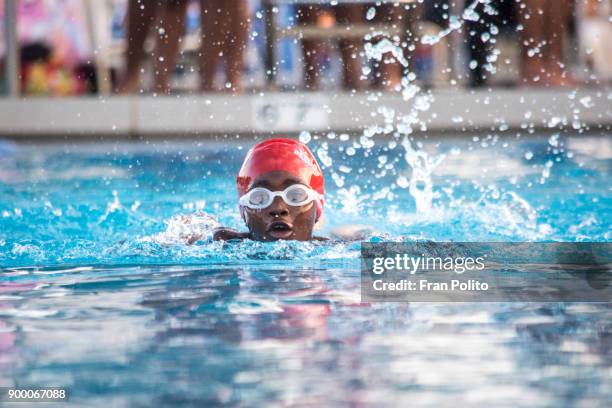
11, 71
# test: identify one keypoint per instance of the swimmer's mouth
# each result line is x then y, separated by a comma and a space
280, 230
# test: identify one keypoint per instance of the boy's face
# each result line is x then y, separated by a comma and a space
280, 220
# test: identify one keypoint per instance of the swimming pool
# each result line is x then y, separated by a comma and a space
99, 293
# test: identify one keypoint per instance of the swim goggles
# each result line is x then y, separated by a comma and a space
294, 195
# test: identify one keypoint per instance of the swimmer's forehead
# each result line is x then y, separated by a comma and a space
277, 180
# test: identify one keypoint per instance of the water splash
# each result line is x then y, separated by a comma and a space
382, 47
509, 214
455, 23
184, 229
420, 184
111, 207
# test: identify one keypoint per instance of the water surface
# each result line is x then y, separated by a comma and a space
99, 292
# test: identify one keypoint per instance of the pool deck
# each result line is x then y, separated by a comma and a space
502, 111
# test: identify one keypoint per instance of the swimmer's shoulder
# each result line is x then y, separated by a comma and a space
351, 232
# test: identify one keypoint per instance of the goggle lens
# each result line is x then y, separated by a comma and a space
259, 197
296, 195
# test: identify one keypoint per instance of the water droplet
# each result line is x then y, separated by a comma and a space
371, 13
403, 182
554, 140
324, 156
305, 137
587, 102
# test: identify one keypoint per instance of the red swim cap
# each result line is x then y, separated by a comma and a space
281, 155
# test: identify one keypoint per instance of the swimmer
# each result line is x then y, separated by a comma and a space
281, 193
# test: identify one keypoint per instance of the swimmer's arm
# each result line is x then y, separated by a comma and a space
346, 233
219, 234
192, 239
228, 234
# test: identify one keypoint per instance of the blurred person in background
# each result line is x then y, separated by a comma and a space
224, 34
479, 34
225, 25
350, 48
595, 32
168, 18
387, 72
3, 79
544, 28
54, 47
480, 31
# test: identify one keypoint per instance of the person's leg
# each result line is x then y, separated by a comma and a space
237, 12
558, 14
350, 48
309, 15
478, 48
532, 18
390, 69
213, 30
171, 29
140, 16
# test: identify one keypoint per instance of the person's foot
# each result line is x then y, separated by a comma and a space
392, 84
354, 84
390, 76
207, 85
234, 89
163, 88
311, 83
532, 73
561, 79
129, 86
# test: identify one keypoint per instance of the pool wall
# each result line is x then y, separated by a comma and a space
446, 111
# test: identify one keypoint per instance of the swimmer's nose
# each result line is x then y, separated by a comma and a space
278, 208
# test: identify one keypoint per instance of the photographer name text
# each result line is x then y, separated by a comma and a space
423, 285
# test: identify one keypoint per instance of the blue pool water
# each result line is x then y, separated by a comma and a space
100, 294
